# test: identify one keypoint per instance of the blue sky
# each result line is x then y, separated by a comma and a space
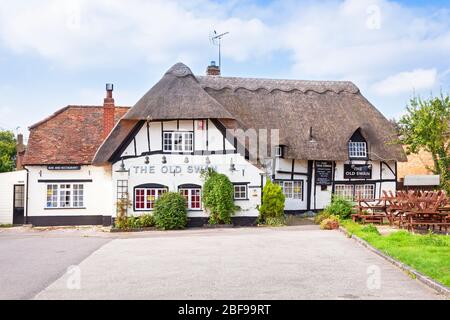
54, 53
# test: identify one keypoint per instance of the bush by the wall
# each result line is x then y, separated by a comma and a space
128, 223
170, 212
272, 202
276, 221
218, 198
340, 207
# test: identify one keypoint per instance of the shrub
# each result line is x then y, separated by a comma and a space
331, 223
276, 221
321, 216
147, 221
218, 197
272, 202
371, 229
128, 223
340, 207
170, 212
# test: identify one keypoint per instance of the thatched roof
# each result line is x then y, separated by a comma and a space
177, 95
334, 110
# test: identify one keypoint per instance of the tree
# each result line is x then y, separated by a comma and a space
426, 126
7, 151
218, 194
272, 202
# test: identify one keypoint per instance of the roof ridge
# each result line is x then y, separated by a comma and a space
63, 109
274, 79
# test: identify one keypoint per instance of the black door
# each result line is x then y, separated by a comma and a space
19, 196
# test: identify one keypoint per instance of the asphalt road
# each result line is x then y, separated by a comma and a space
31, 261
287, 263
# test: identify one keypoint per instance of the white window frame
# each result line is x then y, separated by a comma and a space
65, 196
189, 199
148, 205
350, 191
178, 141
357, 149
278, 152
289, 189
238, 192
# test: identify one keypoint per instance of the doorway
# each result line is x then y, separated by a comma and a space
19, 204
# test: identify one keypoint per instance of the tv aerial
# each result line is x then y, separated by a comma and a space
216, 38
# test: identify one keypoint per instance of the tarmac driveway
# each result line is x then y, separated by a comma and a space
32, 260
287, 263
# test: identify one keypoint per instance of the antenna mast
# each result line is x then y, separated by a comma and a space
216, 40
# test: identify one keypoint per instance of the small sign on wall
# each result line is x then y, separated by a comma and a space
63, 168
357, 171
324, 173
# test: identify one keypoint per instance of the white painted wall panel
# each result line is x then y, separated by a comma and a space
7, 182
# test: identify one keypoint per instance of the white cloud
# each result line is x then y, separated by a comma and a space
371, 42
405, 82
80, 32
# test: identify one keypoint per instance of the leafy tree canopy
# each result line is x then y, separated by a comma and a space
426, 126
7, 151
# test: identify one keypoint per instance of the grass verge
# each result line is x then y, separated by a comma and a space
428, 254
6, 226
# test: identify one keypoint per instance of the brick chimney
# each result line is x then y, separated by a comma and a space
108, 111
213, 69
20, 152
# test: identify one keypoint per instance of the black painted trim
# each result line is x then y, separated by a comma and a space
54, 221
148, 137
190, 186
118, 153
295, 173
309, 185
66, 181
151, 186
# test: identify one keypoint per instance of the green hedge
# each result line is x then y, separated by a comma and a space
170, 212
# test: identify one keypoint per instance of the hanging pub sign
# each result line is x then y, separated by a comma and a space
357, 171
324, 173
63, 168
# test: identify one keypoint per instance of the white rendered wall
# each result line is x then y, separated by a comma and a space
7, 182
97, 194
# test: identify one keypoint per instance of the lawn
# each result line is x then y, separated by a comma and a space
6, 225
428, 254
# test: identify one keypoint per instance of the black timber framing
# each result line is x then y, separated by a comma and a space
309, 184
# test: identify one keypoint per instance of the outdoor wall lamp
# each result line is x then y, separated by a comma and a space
186, 160
208, 162
122, 168
232, 166
147, 160
164, 160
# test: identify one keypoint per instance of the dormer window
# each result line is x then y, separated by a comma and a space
357, 149
357, 146
279, 151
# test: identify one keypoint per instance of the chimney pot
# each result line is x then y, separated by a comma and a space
108, 111
213, 69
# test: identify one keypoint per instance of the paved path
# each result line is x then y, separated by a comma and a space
30, 261
288, 263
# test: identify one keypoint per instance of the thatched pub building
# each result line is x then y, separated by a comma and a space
330, 140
